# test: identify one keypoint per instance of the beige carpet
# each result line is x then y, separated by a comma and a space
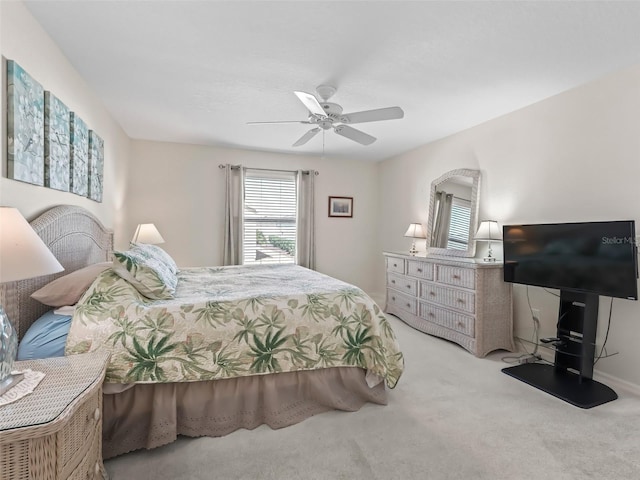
452, 416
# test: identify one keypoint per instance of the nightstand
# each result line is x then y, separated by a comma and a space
56, 431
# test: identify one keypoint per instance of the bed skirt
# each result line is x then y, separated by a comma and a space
151, 415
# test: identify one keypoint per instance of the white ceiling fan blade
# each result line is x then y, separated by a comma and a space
306, 137
389, 113
355, 135
311, 103
278, 121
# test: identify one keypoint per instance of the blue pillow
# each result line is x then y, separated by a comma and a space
46, 337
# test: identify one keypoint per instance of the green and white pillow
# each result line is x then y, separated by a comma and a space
159, 253
152, 277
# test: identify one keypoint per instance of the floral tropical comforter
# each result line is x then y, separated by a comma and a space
234, 321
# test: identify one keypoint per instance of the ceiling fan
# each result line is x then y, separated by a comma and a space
325, 115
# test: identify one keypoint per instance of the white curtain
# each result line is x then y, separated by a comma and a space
233, 214
440, 237
306, 230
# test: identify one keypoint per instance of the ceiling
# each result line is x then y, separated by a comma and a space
198, 71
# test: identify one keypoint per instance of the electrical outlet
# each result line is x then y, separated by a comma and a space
536, 313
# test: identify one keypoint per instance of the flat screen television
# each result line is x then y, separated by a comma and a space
588, 257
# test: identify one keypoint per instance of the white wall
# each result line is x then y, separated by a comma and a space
23, 40
572, 157
181, 189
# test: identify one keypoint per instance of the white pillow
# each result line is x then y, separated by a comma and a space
68, 289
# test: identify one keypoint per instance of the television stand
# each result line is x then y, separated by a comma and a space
570, 377
563, 384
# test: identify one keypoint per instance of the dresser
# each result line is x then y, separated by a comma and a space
55, 432
462, 300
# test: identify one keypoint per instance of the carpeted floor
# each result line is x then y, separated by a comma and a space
452, 416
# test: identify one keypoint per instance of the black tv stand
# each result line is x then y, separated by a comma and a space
570, 377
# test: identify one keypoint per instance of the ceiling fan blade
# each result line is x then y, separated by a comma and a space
311, 103
306, 137
389, 113
278, 121
355, 135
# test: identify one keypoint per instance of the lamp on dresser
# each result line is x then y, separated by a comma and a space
414, 231
147, 233
488, 231
23, 255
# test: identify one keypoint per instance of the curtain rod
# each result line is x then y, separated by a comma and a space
236, 167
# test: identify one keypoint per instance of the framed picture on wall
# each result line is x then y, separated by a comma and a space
79, 156
341, 207
57, 156
96, 166
25, 126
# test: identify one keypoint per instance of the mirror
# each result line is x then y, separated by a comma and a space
453, 213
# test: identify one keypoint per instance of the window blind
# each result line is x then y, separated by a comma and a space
459, 226
269, 217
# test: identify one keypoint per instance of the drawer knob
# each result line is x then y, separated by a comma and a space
460, 324
96, 414
431, 314
393, 281
395, 264
457, 277
393, 298
409, 286
408, 305
419, 270
433, 294
460, 300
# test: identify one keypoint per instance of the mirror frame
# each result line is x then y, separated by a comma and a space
473, 223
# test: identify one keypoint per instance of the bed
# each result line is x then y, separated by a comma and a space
147, 407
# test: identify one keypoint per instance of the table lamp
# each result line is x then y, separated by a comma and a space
147, 233
23, 255
414, 231
489, 231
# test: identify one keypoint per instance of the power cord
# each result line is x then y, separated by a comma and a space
606, 337
533, 356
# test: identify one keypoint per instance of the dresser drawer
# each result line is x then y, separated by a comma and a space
395, 265
446, 318
77, 434
420, 269
402, 301
403, 284
449, 297
456, 276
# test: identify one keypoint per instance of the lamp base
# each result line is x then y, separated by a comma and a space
413, 250
10, 382
489, 259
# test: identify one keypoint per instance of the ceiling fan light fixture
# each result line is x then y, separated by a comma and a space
325, 92
326, 115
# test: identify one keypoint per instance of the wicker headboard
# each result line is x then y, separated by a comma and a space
77, 239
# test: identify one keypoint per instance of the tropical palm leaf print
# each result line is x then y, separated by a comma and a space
234, 321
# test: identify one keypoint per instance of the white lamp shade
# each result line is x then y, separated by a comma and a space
147, 233
415, 230
489, 230
23, 254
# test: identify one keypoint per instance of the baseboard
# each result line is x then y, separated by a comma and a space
617, 383
610, 380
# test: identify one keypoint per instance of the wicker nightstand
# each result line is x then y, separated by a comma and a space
56, 431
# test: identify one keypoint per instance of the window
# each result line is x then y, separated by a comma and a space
269, 217
459, 226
